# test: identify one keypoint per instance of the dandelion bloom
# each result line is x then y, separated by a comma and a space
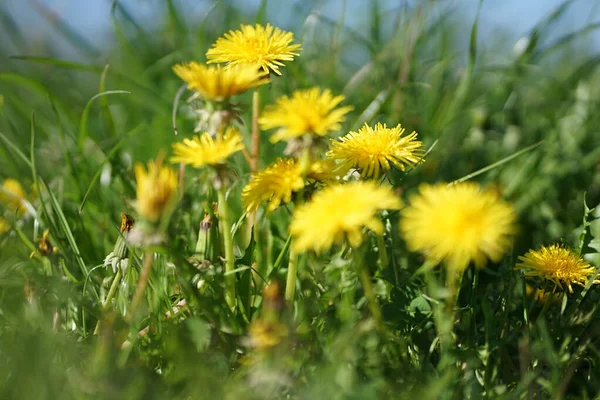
308, 111
375, 149
340, 212
216, 83
274, 185
557, 264
13, 195
4, 226
156, 188
324, 171
204, 150
264, 47
458, 224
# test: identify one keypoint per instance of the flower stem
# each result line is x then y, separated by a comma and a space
290, 284
111, 294
142, 283
225, 225
255, 154
367, 285
383, 256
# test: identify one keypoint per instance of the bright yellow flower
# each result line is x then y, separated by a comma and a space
156, 188
340, 212
264, 47
308, 111
458, 224
4, 226
204, 150
274, 185
374, 149
216, 83
558, 265
13, 195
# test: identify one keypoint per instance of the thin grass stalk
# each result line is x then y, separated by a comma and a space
367, 285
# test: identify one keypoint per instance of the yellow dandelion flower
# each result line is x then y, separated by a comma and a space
155, 190
265, 334
324, 171
13, 196
216, 83
375, 149
458, 224
4, 226
340, 212
306, 112
557, 264
204, 150
264, 47
274, 185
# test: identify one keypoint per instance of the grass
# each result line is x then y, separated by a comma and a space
70, 130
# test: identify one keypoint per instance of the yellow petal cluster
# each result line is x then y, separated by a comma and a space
375, 149
273, 185
205, 150
13, 196
458, 224
557, 264
309, 111
265, 47
340, 212
156, 187
216, 83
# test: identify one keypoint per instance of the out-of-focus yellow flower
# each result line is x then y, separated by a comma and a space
266, 334
273, 185
557, 264
260, 46
216, 83
307, 112
4, 226
13, 196
324, 171
340, 212
458, 224
375, 149
204, 150
156, 189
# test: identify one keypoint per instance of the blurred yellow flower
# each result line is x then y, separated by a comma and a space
324, 171
204, 150
13, 196
557, 264
340, 212
274, 185
216, 83
265, 334
260, 46
156, 188
308, 111
4, 226
458, 224
375, 149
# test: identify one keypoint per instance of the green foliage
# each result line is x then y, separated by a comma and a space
65, 126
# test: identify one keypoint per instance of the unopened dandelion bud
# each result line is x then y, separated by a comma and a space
206, 249
118, 258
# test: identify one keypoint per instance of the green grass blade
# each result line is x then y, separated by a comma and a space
83, 132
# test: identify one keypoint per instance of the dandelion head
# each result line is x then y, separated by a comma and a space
458, 224
372, 150
309, 111
203, 149
215, 83
156, 187
557, 264
13, 196
340, 212
274, 185
266, 47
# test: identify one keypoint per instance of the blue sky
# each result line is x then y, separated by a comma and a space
512, 17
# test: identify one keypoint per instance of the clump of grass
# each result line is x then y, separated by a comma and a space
287, 239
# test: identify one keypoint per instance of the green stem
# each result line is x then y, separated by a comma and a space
225, 225
367, 285
383, 256
290, 284
142, 284
111, 294
255, 152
